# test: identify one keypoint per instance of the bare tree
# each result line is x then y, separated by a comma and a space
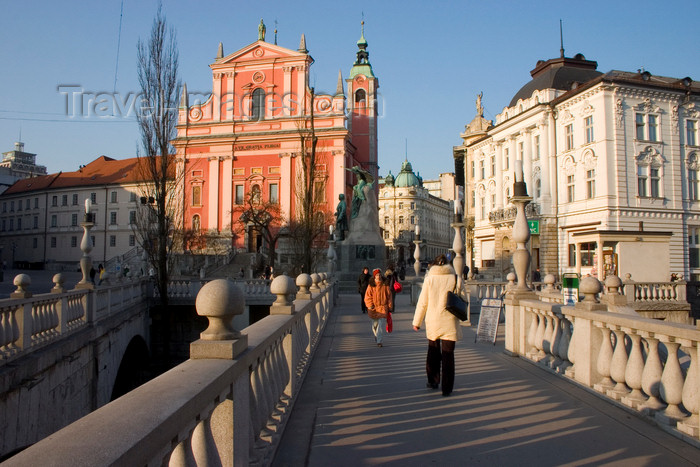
264, 216
308, 227
157, 118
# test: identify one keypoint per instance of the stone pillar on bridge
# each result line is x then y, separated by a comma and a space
220, 300
86, 247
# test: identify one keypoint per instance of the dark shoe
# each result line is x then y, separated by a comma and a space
380, 345
431, 385
445, 394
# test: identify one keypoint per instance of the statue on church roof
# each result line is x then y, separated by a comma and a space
261, 30
479, 107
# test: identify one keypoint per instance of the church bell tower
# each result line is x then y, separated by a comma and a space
362, 107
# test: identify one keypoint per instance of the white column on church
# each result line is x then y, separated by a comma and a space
229, 98
301, 89
216, 98
213, 204
227, 190
286, 183
287, 91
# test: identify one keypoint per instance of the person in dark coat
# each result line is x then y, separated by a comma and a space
362, 284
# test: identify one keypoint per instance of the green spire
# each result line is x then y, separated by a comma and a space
362, 65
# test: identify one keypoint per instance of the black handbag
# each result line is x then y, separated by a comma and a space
456, 305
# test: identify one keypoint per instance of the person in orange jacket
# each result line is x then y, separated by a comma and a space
379, 304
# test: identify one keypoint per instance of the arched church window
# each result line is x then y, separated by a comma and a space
255, 190
257, 110
360, 98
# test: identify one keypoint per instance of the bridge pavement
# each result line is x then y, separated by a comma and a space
364, 405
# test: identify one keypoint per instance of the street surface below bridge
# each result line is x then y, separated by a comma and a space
364, 405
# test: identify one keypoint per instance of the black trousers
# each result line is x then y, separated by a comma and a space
441, 353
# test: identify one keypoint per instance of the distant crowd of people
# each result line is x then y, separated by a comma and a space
378, 299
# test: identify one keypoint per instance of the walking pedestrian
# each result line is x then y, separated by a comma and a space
100, 274
391, 279
378, 301
362, 283
441, 327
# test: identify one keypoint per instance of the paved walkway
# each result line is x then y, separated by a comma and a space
364, 405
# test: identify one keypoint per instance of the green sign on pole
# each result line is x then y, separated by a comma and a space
534, 225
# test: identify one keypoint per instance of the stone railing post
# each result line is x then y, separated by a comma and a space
315, 279
304, 283
585, 345
86, 248
62, 306
22, 282
220, 300
284, 287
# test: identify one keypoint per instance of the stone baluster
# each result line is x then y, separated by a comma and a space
605, 355
651, 375
618, 365
634, 371
555, 342
539, 337
570, 370
564, 342
304, 282
532, 335
547, 339
671, 389
691, 394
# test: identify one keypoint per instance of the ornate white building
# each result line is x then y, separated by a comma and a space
611, 162
406, 202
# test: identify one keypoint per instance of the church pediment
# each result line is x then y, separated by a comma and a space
260, 50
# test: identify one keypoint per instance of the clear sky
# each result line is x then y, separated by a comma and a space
431, 57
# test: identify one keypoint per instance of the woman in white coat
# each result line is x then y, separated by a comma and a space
441, 327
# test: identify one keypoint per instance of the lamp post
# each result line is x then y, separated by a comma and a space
332, 256
416, 253
521, 231
86, 247
458, 244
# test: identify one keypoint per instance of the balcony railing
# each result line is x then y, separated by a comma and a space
506, 216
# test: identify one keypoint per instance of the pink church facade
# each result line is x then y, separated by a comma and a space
248, 135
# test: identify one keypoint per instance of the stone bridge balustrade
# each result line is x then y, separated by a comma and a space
28, 322
649, 365
227, 405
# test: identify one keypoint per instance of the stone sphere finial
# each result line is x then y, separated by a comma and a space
58, 281
22, 282
549, 281
220, 300
511, 277
304, 282
283, 286
590, 287
315, 278
613, 284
